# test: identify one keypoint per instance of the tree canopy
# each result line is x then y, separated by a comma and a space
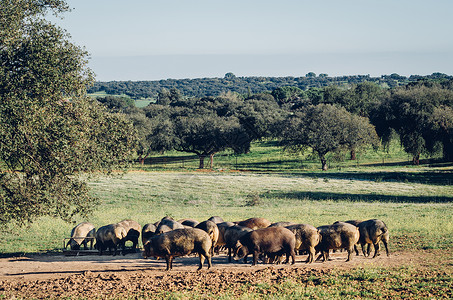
51, 132
326, 128
421, 115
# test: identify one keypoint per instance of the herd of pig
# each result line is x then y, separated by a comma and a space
268, 241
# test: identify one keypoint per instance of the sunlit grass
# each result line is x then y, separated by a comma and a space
418, 215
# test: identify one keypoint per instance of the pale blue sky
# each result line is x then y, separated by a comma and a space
153, 40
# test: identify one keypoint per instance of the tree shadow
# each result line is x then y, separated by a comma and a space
358, 197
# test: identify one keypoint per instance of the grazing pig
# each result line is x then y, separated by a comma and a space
212, 230
272, 241
355, 223
372, 232
307, 238
232, 235
148, 231
168, 224
110, 236
179, 242
81, 235
255, 223
133, 232
189, 222
337, 236
216, 219
222, 227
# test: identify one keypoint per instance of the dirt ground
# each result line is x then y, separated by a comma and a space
93, 276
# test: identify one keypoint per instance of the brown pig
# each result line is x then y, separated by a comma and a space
372, 232
211, 229
110, 236
133, 232
232, 235
81, 235
272, 241
307, 238
180, 242
339, 235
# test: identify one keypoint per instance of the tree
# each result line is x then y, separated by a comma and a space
51, 133
205, 134
116, 104
288, 94
412, 112
441, 125
325, 128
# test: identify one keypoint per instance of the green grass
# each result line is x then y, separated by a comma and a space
414, 201
412, 211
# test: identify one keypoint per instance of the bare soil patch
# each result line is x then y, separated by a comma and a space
93, 276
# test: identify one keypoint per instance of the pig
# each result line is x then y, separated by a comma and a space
272, 241
148, 231
255, 223
222, 227
355, 223
372, 232
211, 228
232, 235
307, 238
189, 222
82, 234
168, 224
133, 232
216, 219
110, 236
337, 236
180, 242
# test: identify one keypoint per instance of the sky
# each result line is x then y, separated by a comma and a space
161, 39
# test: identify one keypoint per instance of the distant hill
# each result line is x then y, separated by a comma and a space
246, 85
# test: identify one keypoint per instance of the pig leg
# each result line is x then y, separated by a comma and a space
363, 249
350, 250
376, 249
255, 257
169, 260
386, 247
202, 258
293, 256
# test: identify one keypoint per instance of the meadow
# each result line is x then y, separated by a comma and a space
416, 203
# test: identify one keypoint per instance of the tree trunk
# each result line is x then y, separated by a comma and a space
353, 155
416, 159
324, 163
202, 157
212, 159
141, 160
447, 150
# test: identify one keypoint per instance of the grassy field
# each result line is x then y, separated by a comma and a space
419, 215
416, 203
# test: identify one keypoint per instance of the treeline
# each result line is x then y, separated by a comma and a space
325, 120
247, 85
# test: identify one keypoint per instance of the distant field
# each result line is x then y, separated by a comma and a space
138, 103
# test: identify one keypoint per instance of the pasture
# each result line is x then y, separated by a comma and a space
416, 203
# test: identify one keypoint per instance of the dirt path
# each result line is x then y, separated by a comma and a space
93, 276
44, 267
